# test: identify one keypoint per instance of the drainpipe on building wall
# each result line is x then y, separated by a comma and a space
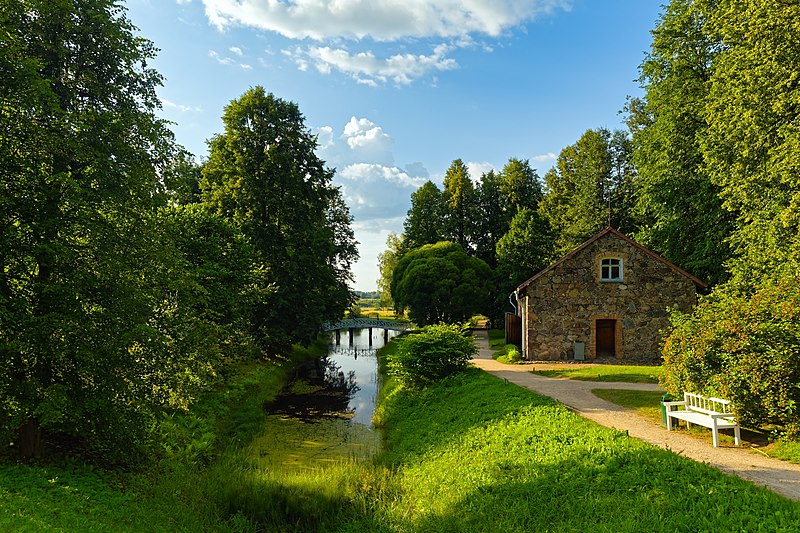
514, 294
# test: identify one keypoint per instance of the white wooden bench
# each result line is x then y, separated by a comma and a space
713, 413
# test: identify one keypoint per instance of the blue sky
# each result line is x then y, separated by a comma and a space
398, 89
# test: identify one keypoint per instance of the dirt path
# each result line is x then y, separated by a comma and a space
779, 476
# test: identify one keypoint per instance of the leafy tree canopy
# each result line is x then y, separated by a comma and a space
520, 187
81, 155
264, 176
424, 223
678, 206
589, 188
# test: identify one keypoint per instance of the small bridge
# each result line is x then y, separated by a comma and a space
361, 323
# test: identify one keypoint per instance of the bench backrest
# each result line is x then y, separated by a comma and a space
703, 404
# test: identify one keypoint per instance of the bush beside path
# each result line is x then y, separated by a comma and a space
779, 476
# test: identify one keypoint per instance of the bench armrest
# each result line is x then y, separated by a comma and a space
670, 404
723, 415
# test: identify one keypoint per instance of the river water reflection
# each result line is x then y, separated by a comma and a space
324, 414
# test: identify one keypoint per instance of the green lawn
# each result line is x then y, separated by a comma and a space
646, 403
478, 454
470, 454
606, 373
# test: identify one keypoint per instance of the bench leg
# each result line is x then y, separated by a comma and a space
714, 434
669, 422
737, 435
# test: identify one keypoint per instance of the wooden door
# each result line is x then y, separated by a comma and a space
605, 337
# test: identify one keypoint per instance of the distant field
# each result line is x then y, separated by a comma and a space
381, 312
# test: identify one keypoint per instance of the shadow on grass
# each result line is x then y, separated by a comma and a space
641, 490
477, 454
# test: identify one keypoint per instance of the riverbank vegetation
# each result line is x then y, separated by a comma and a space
134, 280
468, 453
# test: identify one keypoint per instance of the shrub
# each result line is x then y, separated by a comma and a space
513, 355
745, 349
435, 352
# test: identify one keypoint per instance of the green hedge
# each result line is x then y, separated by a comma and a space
437, 351
745, 349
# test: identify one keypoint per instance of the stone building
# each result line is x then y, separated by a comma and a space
608, 298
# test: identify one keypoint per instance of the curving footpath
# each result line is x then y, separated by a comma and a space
779, 476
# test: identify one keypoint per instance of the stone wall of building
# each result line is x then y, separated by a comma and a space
563, 304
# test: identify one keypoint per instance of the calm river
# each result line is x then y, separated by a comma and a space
324, 414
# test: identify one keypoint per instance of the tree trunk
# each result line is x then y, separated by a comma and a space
30, 439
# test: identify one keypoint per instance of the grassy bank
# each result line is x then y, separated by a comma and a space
472, 453
478, 454
177, 492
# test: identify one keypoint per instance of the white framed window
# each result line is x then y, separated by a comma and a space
611, 269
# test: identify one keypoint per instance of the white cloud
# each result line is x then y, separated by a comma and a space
363, 141
366, 68
325, 137
374, 188
549, 156
476, 169
235, 50
376, 192
222, 60
368, 140
180, 107
379, 20
371, 173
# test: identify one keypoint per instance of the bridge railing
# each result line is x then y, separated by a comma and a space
356, 323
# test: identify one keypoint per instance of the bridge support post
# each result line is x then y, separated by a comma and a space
385, 337
338, 337
370, 336
350, 335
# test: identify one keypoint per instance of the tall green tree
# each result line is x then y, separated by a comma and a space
81, 155
589, 177
387, 261
525, 249
752, 140
441, 283
491, 220
424, 223
520, 187
263, 175
460, 205
678, 206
